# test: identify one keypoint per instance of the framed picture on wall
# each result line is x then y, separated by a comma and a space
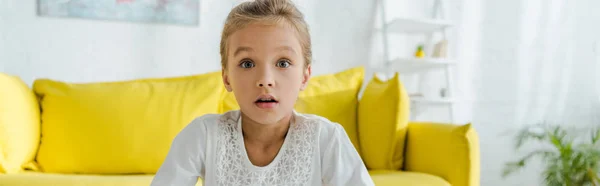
181, 12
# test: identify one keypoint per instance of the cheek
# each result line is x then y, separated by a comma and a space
292, 81
240, 80
243, 88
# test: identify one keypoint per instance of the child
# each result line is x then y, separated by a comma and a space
265, 57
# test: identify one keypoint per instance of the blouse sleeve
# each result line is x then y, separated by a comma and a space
341, 163
184, 163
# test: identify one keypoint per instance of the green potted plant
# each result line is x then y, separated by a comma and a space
570, 159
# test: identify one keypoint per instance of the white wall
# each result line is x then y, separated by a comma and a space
80, 50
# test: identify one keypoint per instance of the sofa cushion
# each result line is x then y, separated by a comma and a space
393, 178
119, 127
333, 96
383, 113
39, 179
450, 151
19, 125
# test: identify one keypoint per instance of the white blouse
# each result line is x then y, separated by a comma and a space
315, 151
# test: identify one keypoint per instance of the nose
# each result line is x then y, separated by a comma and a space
265, 79
265, 84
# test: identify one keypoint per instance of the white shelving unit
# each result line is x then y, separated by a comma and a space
432, 100
416, 26
413, 65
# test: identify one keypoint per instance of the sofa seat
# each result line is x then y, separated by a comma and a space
380, 177
50, 179
389, 178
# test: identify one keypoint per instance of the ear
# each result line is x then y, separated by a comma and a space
306, 77
226, 80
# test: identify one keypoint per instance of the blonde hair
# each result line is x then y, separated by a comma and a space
266, 11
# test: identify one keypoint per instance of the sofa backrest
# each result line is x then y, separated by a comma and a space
128, 126
19, 125
118, 127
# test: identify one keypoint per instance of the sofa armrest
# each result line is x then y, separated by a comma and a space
446, 150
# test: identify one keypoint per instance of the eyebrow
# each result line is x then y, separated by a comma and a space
242, 49
287, 48
248, 49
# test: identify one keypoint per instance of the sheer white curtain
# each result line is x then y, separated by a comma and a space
559, 61
526, 62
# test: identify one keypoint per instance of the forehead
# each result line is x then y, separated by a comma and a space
260, 36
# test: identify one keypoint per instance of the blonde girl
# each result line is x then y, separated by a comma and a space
266, 62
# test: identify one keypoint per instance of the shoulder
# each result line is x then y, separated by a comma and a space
211, 120
201, 127
202, 122
327, 130
199, 131
324, 124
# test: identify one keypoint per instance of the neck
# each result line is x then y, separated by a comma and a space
265, 133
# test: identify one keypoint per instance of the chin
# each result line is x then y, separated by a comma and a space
266, 116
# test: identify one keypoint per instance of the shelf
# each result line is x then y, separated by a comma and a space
413, 65
410, 25
436, 101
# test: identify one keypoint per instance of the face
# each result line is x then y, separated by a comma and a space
266, 71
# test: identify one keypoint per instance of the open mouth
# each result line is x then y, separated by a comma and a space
266, 101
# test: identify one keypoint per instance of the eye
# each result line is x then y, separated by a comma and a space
247, 64
283, 63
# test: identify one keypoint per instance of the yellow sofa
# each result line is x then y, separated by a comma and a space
118, 133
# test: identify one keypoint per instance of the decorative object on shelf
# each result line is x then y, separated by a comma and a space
183, 12
420, 53
440, 49
568, 161
443, 92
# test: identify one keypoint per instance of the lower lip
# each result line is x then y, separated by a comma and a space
266, 105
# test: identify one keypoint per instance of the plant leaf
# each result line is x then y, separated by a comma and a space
593, 176
516, 165
527, 133
511, 167
556, 138
596, 135
552, 174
